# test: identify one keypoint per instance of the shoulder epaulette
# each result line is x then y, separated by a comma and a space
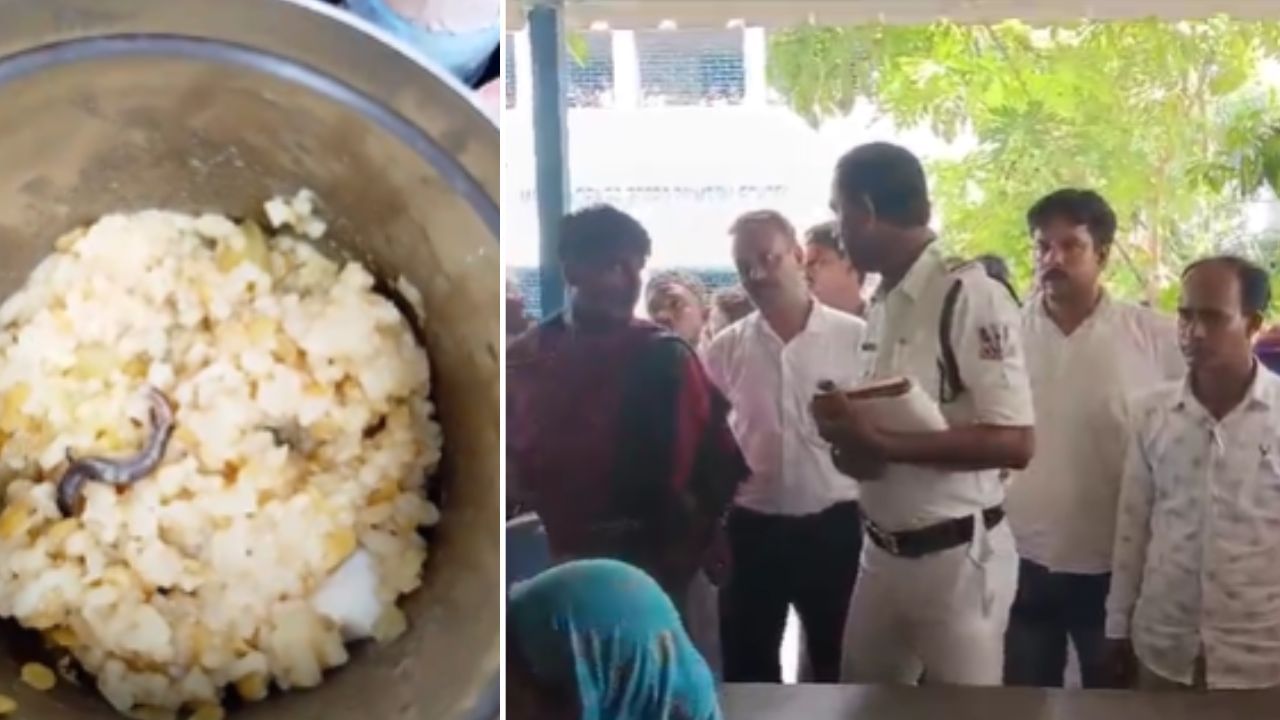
962, 266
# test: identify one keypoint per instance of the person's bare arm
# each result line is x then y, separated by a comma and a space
988, 350
863, 449
973, 447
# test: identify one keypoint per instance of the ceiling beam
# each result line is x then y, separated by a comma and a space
637, 14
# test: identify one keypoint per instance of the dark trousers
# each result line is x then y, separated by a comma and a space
808, 561
1049, 608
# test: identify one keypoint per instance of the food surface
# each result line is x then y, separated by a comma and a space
201, 424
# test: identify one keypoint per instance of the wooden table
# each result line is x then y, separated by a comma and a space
855, 702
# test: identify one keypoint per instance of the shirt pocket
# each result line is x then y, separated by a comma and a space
802, 398
1261, 500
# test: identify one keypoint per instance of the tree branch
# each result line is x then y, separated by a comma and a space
1004, 52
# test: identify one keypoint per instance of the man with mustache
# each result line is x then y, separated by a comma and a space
939, 572
1087, 354
794, 530
1195, 587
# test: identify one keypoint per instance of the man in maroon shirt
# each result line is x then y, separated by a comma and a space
615, 436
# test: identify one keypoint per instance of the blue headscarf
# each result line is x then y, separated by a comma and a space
608, 630
463, 54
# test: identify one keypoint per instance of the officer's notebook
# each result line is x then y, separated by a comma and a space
899, 405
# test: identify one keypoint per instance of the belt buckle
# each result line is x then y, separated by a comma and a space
891, 541
888, 539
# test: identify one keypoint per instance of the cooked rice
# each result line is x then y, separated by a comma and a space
282, 365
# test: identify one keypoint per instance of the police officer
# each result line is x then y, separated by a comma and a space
939, 572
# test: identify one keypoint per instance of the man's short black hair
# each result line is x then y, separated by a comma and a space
891, 178
1255, 284
601, 231
827, 235
1079, 207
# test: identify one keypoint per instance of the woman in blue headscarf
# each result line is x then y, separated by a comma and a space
460, 35
600, 640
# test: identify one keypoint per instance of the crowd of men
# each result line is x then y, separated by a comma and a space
1108, 478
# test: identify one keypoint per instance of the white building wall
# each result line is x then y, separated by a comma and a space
685, 172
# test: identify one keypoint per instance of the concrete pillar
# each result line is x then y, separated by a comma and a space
755, 48
550, 149
626, 70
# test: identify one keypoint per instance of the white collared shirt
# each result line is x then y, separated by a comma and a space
1062, 507
770, 385
1197, 555
902, 340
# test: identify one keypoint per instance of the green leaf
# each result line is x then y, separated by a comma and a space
1270, 160
576, 45
1228, 80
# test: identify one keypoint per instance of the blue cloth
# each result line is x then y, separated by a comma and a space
462, 54
607, 629
528, 552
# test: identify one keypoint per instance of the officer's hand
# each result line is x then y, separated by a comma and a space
855, 442
858, 466
1121, 664
844, 423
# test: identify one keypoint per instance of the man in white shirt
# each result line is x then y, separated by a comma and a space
940, 571
834, 280
1087, 355
1195, 586
794, 531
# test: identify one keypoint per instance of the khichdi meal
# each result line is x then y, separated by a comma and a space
215, 442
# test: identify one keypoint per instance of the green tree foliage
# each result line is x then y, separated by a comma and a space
577, 49
1170, 122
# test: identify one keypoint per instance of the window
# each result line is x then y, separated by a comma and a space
589, 75
691, 67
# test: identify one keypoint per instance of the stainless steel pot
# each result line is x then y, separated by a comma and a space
217, 105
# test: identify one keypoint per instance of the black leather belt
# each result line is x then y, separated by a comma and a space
933, 538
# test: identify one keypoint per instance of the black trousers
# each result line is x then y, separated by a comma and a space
1049, 608
808, 561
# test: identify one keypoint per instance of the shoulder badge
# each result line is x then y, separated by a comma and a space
994, 342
